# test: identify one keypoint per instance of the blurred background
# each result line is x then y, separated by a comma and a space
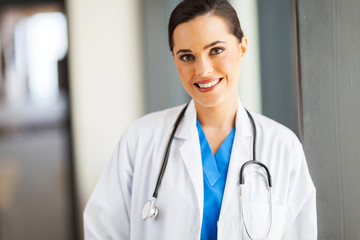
75, 73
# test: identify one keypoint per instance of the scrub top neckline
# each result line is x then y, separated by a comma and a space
215, 165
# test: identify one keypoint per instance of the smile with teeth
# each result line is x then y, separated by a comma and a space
210, 84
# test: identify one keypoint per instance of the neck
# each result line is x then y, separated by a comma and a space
220, 117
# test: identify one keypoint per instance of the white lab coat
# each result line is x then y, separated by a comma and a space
114, 209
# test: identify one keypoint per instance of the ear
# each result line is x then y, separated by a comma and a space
243, 46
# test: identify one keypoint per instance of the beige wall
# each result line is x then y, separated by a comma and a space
106, 81
250, 77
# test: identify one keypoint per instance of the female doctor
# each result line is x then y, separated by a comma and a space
175, 174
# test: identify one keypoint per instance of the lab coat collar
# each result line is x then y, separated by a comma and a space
188, 125
242, 123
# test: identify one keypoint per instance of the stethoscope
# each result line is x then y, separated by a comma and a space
150, 210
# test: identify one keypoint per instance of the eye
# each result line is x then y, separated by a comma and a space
187, 57
216, 51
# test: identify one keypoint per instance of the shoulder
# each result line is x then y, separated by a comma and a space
277, 135
159, 117
153, 125
272, 127
281, 147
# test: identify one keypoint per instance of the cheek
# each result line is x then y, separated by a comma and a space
229, 65
185, 72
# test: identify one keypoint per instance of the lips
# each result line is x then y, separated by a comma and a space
208, 85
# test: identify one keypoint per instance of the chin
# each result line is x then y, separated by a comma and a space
214, 101
211, 102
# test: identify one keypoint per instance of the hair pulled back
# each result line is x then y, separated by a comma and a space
190, 9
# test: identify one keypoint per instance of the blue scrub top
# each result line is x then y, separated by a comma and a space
214, 172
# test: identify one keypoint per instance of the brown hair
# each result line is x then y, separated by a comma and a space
190, 9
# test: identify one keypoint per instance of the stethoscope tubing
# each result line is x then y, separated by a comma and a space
242, 180
150, 205
254, 138
253, 161
166, 156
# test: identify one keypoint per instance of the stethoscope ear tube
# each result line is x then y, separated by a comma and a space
242, 180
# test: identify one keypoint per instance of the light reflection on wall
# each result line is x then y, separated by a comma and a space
42, 40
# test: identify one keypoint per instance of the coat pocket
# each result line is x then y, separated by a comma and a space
258, 220
229, 228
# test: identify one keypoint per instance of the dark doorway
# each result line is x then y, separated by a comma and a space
37, 195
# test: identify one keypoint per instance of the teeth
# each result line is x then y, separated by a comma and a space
207, 85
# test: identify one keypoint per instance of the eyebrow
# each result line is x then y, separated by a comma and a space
207, 46
183, 51
213, 43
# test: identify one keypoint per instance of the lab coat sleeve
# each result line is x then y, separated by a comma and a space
107, 213
301, 215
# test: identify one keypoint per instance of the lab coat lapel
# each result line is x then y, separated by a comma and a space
190, 152
241, 152
191, 155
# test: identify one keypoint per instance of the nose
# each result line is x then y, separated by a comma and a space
203, 67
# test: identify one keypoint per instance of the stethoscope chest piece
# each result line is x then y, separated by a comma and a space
149, 210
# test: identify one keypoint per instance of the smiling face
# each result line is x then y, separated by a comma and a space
208, 59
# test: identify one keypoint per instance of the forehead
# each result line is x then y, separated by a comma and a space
201, 31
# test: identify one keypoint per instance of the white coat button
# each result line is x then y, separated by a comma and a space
195, 229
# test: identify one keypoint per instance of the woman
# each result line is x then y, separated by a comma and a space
199, 194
